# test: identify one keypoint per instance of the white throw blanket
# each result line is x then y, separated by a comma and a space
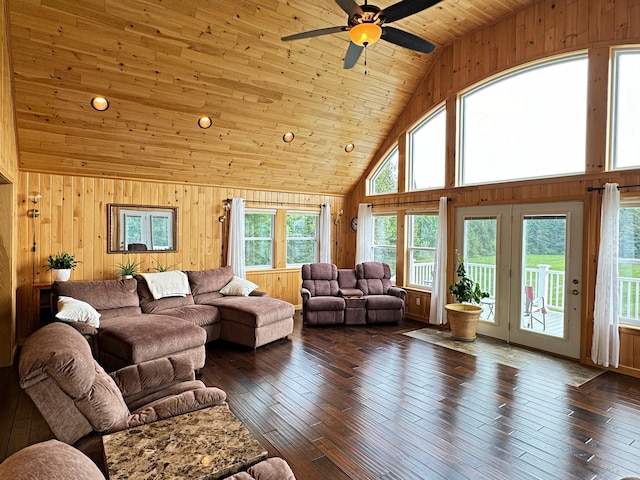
167, 284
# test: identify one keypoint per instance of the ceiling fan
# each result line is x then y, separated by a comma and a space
365, 27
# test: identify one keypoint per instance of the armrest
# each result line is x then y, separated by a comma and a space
397, 292
146, 378
173, 406
305, 294
258, 293
84, 328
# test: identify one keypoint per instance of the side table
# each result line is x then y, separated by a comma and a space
206, 444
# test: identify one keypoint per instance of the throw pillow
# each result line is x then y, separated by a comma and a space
239, 287
73, 310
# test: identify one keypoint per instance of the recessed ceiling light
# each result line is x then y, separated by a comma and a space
100, 103
349, 147
205, 121
288, 137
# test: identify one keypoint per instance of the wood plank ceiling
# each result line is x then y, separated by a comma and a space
163, 63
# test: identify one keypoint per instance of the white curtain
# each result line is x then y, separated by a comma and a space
364, 235
235, 257
605, 344
325, 233
438, 315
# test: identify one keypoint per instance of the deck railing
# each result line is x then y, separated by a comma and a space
551, 282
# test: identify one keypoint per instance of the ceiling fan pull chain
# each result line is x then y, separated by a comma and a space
365, 59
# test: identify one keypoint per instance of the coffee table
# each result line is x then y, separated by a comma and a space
206, 444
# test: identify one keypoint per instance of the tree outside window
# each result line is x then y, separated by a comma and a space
258, 239
385, 233
302, 238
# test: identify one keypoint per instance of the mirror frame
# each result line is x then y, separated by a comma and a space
113, 226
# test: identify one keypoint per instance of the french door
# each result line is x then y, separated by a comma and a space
528, 258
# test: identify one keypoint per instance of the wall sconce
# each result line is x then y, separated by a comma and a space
35, 199
222, 218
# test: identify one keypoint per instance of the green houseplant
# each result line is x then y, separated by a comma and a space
463, 316
61, 265
129, 269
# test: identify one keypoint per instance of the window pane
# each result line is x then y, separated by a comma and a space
626, 108
385, 232
423, 232
386, 178
629, 266
133, 229
258, 244
302, 240
160, 233
530, 124
428, 152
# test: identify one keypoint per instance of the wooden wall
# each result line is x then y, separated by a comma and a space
74, 219
548, 28
8, 173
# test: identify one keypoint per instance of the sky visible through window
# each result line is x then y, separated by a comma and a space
626, 143
530, 124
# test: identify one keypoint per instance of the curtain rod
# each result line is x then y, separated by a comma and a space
264, 202
398, 204
591, 189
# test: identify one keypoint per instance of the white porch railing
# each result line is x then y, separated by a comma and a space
552, 282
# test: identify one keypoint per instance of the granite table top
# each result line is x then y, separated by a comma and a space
206, 444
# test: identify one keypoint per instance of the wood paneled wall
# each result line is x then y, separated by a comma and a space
548, 28
74, 219
8, 173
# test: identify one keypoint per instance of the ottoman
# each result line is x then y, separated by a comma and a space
254, 321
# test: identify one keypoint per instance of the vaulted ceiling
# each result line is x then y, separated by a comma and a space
164, 63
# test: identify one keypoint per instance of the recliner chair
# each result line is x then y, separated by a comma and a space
321, 304
385, 303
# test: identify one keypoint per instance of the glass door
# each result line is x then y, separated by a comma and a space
528, 258
548, 252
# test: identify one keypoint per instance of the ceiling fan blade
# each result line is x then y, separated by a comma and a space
350, 7
352, 55
406, 40
405, 8
314, 33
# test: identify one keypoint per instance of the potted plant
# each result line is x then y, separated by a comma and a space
127, 270
463, 316
61, 265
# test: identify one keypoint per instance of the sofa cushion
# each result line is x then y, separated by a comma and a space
111, 298
348, 282
150, 305
146, 337
320, 279
254, 311
384, 302
200, 315
374, 278
325, 303
207, 281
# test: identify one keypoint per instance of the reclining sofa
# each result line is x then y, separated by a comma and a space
135, 327
364, 295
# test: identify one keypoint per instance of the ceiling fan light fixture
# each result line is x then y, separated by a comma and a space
365, 33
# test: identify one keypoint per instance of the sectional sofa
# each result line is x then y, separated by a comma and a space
364, 295
135, 326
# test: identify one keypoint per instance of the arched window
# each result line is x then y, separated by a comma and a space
385, 180
427, 152
526, 124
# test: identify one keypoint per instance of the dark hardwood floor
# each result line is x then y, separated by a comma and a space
371, 403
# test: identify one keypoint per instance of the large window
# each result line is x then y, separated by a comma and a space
626, 109
385, 180
385, 232
302, 238
427, 152
258, 238
629, 263
421, 248
528, 124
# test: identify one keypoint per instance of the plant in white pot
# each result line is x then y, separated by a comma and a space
127, 270
61, 265
463, 316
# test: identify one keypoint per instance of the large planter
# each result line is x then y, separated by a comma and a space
60, 274
463, 320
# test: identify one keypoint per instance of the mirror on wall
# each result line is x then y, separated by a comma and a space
142, 228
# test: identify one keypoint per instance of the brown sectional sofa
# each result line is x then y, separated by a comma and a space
135, 327
363, 295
